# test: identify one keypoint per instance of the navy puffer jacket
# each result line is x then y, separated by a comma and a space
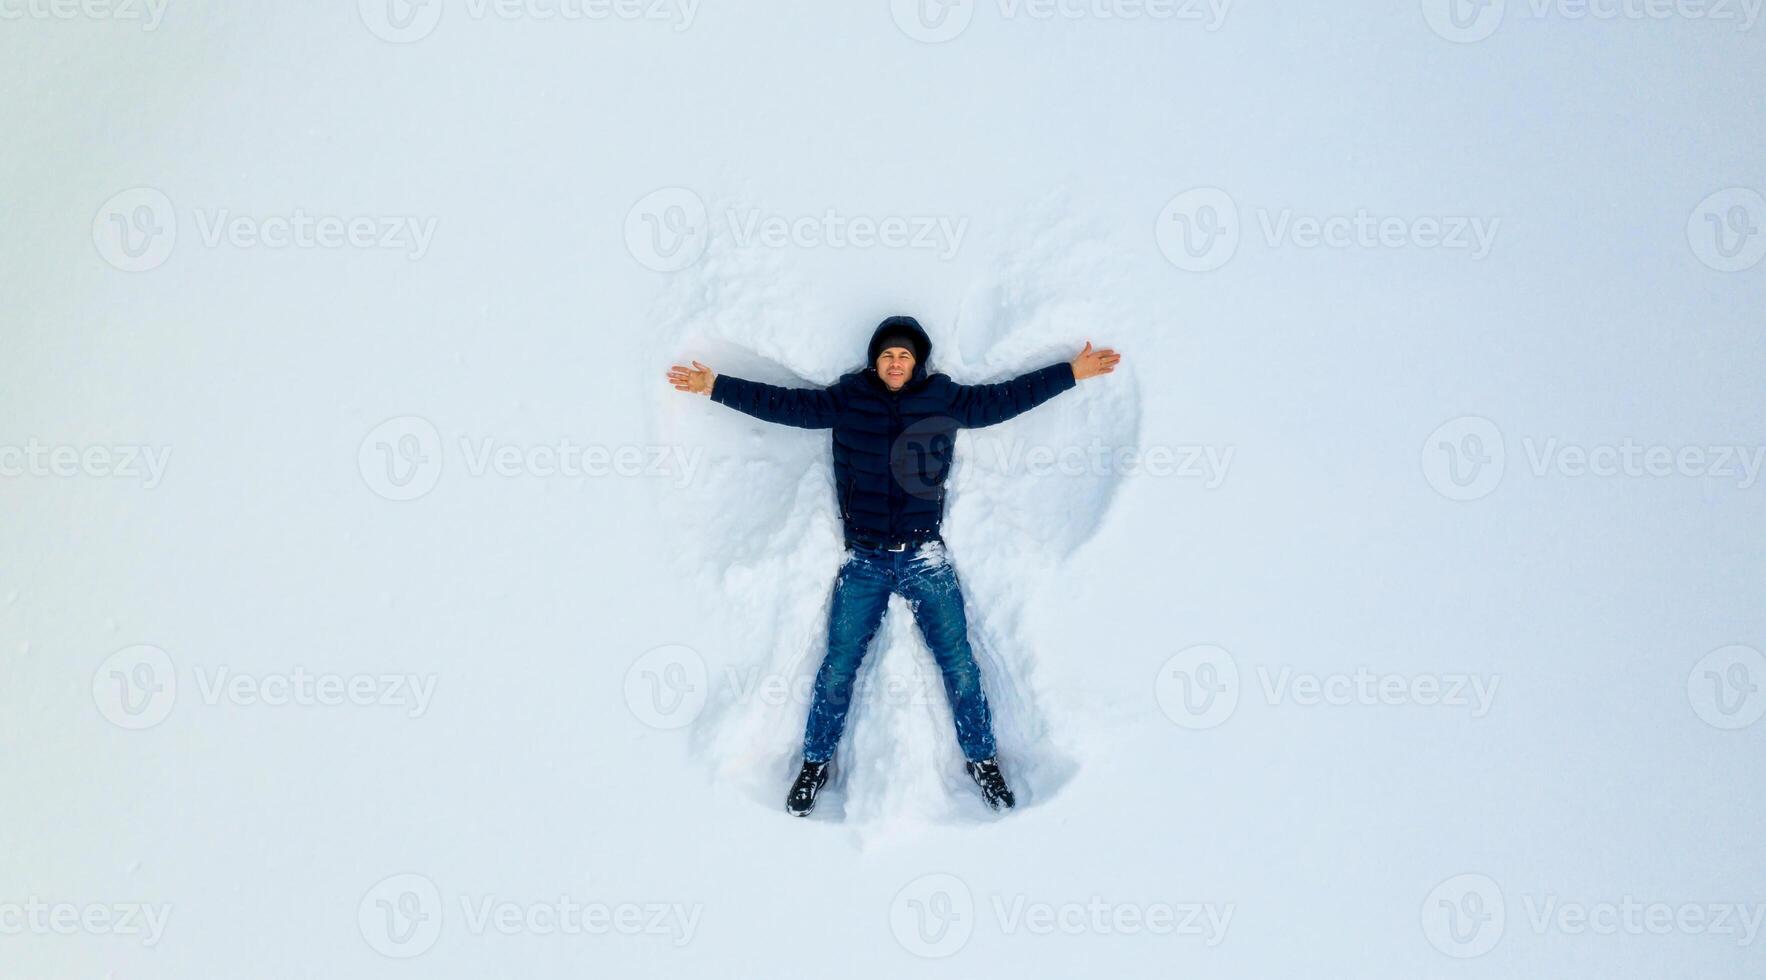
893, 449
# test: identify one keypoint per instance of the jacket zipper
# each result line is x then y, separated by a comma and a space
894, 478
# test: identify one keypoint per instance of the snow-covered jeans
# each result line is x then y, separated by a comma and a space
925, 578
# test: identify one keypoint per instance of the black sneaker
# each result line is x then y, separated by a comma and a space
986, 774
810, 781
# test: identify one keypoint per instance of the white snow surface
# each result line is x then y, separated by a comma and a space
586, 690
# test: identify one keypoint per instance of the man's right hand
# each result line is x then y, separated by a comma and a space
1091, 363
697, 379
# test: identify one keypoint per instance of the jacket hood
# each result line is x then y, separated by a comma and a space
906, 327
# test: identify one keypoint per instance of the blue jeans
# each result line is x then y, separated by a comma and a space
924, 577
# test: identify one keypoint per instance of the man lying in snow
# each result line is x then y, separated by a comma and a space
894, 430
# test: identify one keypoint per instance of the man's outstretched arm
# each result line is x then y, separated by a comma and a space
805, 408
975, 406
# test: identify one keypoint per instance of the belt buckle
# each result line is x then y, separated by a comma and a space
897, 547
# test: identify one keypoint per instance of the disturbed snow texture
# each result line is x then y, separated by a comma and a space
758, 526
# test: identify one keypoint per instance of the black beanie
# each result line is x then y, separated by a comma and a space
899, 331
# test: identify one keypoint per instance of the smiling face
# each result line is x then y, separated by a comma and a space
895, 366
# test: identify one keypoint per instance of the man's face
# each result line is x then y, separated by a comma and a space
895, 366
